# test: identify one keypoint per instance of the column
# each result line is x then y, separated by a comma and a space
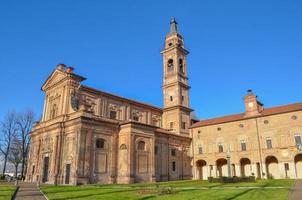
99, 106
149, 118
210, 173
128, 117
88, 155
264, 171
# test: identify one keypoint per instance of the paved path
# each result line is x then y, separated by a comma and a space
296, 191
29, 191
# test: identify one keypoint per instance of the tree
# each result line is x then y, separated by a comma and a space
9, 130
24, 123
15, 153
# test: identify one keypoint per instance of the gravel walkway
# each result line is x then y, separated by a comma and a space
296, 191
29, 191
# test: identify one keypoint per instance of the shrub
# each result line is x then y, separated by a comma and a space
270, 176
233, 179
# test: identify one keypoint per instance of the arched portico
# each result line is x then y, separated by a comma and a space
245, 167
298, 165
201, 166
222, 168
272, 169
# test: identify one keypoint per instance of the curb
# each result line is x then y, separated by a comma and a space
43, 193
15, 193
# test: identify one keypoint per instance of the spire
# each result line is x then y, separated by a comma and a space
173, 26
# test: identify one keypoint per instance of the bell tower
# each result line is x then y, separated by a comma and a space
176, 115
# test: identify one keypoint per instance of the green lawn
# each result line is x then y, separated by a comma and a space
260, 190
6, 190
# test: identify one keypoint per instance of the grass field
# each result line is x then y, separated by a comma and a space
6, 191
260, 190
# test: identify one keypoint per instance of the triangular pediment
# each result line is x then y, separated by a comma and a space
55, 77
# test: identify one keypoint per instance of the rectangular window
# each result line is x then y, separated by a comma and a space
171, 98
182, 98
183, 125
298, 141
173, 166
171, 125
220, 148
173, 152
269, 143
112, 114
200, 150
243, 145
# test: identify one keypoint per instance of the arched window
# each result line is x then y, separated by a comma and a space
100, 143
141, 145
170, 64
123, 147
181, 66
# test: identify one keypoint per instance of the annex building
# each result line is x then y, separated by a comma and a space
90, 136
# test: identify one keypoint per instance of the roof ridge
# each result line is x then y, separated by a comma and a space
240, 116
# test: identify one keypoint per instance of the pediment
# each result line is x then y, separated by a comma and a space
55, 77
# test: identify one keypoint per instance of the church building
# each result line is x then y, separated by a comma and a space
90, 136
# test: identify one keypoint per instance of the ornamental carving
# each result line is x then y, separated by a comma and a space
47, 144
89, 103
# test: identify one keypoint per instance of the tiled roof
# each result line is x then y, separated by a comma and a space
241, 116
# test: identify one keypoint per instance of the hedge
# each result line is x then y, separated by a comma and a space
233, 179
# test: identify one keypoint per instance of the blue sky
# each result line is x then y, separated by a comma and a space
234, 46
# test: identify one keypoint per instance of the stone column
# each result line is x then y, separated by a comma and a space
152, 156
44, 108
149, 120
210, 173
128, 116
88, 155
99, 107
264, 171
55, 159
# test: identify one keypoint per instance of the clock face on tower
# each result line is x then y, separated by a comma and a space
251, 105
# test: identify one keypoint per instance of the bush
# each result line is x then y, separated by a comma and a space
2, 177
233, 179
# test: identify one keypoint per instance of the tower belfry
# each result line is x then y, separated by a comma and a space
176, 116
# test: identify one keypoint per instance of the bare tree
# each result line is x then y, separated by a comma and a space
15, 153
24, 123
9, 130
